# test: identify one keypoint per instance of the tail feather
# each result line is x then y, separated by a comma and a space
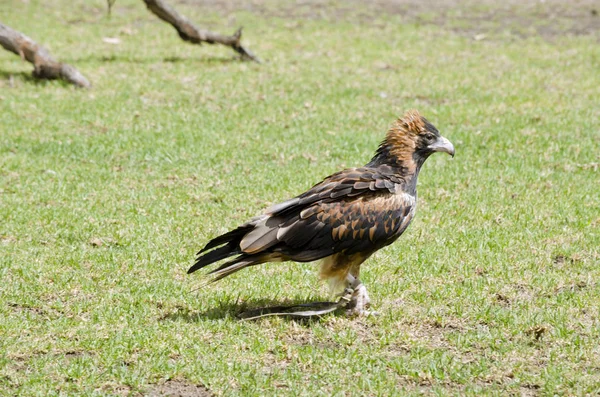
231, 267
240, 263
231, 240
215, 255
230, 244
231, 236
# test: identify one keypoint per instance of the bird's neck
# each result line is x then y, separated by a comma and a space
405, 168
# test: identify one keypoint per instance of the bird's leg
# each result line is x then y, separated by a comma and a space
359, 302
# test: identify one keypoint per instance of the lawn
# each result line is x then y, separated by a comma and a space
106, 195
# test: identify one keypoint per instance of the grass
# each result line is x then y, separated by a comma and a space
107, 194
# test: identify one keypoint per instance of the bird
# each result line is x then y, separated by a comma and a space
342, 220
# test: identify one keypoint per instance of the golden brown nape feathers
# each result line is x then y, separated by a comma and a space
343, 219
408, 142
402, 136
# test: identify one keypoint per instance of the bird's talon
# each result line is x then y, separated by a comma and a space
347, 295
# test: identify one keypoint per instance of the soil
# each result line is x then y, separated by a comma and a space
177, 388
524, 18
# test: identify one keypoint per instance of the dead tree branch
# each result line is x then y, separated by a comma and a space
44, 66
188, 32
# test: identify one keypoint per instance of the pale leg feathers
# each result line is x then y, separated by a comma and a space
343, 272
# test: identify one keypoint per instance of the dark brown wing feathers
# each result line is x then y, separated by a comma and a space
352, 211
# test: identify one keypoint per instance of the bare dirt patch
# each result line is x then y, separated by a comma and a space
178, 388
548, 18
27, 308
429, 333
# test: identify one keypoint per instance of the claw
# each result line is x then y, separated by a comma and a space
360, 300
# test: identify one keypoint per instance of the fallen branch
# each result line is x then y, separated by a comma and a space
44, 66
188, 32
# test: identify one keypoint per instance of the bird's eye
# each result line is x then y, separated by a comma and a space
430, 136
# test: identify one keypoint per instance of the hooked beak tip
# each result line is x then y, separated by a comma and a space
443, 145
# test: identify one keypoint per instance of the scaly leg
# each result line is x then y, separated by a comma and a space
360, 302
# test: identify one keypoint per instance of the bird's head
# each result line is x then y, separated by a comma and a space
411, 140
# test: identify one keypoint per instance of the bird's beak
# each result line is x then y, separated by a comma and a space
442, 145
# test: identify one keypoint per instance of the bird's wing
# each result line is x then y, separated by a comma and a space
347, 183
356, 210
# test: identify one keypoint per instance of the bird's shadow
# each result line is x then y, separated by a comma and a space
236, 310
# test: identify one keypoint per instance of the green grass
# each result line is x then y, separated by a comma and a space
106, 195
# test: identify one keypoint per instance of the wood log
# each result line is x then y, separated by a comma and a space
190, 33
44, 65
